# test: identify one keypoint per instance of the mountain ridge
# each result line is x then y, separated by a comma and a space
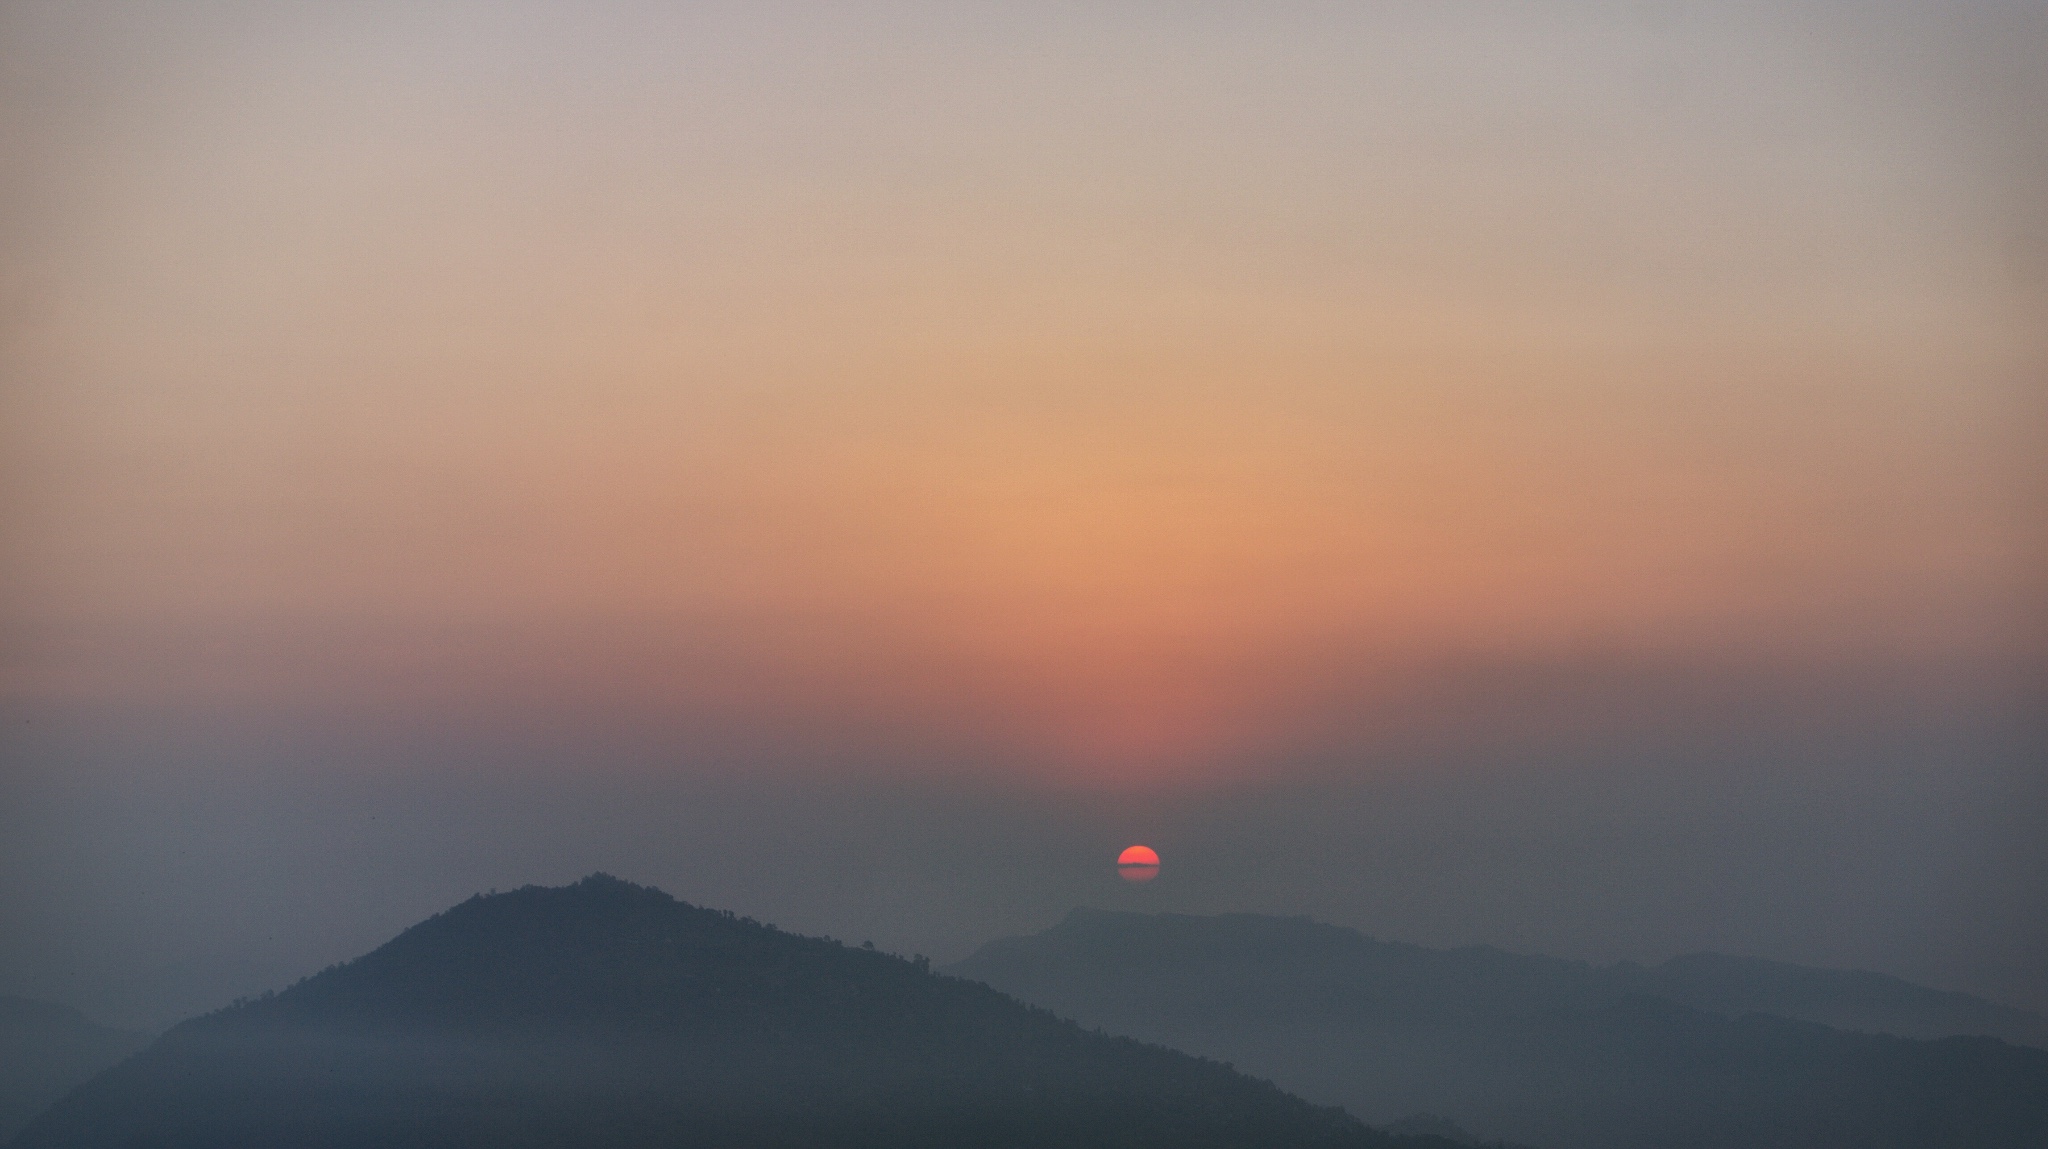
612, 1014
1544, 1051
1861, 1000
1849, 999
46, 1050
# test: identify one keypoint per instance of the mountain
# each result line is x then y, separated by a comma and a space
1555, 1054
609, 1014
1844, 999
47, 1050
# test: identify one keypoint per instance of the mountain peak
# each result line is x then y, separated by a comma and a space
547, 1014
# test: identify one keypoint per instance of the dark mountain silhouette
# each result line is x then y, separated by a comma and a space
46, 1050
608, 1014
1844, 999
1551, 1053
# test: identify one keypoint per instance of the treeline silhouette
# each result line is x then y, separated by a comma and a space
609, 1014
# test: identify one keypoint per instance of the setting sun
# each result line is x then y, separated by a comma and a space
1138, 864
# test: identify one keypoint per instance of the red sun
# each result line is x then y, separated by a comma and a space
1138, 864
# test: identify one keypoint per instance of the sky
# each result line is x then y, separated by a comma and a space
1565, 477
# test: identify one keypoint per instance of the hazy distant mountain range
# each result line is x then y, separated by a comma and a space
1560, 1055
1844, 999
608, 1014
47, 1050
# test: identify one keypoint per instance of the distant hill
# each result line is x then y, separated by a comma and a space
1844, 999
608, 1014
46, 1051
1555, 1054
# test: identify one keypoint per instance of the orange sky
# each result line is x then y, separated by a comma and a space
1093, 384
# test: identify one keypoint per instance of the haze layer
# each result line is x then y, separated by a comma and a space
1113, 397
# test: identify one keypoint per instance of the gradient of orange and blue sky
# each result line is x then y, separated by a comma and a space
1055, 421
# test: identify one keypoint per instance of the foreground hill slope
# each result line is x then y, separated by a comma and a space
1536, 1050
46, 1050
608, 1014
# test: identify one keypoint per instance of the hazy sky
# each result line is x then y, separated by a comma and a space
1561, 475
